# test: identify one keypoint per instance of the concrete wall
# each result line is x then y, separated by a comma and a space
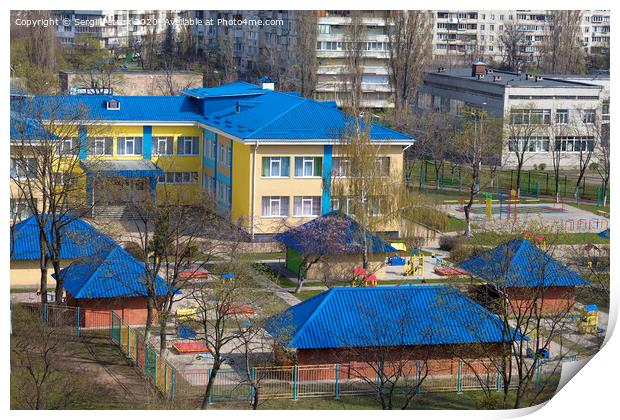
27, 274
136, 83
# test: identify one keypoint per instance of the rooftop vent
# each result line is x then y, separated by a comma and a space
489, 71
539, 78
529, 76
478, 68
497, 78
480, 76
267, 83
113, 105
441, 70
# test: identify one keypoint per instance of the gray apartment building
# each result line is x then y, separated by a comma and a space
563, 113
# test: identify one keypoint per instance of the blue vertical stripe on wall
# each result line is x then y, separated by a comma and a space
231, 176
147, 142
327, 176
83, 140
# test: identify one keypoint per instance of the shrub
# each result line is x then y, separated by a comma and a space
542, 166
448, 243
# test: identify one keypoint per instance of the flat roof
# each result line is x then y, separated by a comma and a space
510, 78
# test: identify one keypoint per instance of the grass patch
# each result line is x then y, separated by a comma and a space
567, 238
274, 276
468, 400
307, 294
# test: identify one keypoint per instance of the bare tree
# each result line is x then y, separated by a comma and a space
46, 149
513, 40
306, 62
478, 142
561, 51
410, 37
523, 130
222, 324
534, 312
355, 37
588, 123
603, 161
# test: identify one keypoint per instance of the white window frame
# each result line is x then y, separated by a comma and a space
167, 141
185, 140
98, 141
275, 201
306, 200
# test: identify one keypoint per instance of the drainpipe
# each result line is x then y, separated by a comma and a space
253, 189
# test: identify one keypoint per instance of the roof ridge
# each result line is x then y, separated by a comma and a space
109, 249
304, 100
326, 296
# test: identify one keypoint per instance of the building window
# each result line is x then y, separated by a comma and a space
341, 167
324, 29
275, 167
606, 110
163, 146
588, 116
308, 166
187, 145
532, 144
383, 166
20, 209
129, 146
23, 168
275, 206
307, 206
561, 116
179, 178
575, 144
530, 116
210, 145
65, 146
208, 184
374, 206
102, 146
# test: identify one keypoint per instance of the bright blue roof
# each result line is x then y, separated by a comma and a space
79, 239
240, 109
604, 234
519, 263
331, 234
111, 272
24, 128
386, 316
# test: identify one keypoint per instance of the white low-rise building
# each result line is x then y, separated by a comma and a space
542, 113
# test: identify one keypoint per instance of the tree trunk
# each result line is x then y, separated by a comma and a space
59, 282
149, 315
255, 401
214, 370
162, 335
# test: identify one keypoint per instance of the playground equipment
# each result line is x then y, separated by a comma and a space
489, 210
362, 278
588, 323
186, 314
185, 347
414, 265
186, 332
543, 346
538, 240
396, 260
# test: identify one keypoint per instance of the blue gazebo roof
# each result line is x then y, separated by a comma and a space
604, 234
345, 317
519, 263
78, 238
332, 234
111, 272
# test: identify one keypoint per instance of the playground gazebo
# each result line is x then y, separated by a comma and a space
415, 323
78, 239
337, 239
522, 272
111, 279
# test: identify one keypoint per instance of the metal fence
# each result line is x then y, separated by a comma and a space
290, 382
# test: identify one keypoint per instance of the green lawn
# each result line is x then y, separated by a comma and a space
274, 276
467, 400
532, 181
568, 238
307, 294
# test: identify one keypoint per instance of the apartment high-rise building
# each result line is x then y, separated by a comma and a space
260, 40
114, 28
332, 63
